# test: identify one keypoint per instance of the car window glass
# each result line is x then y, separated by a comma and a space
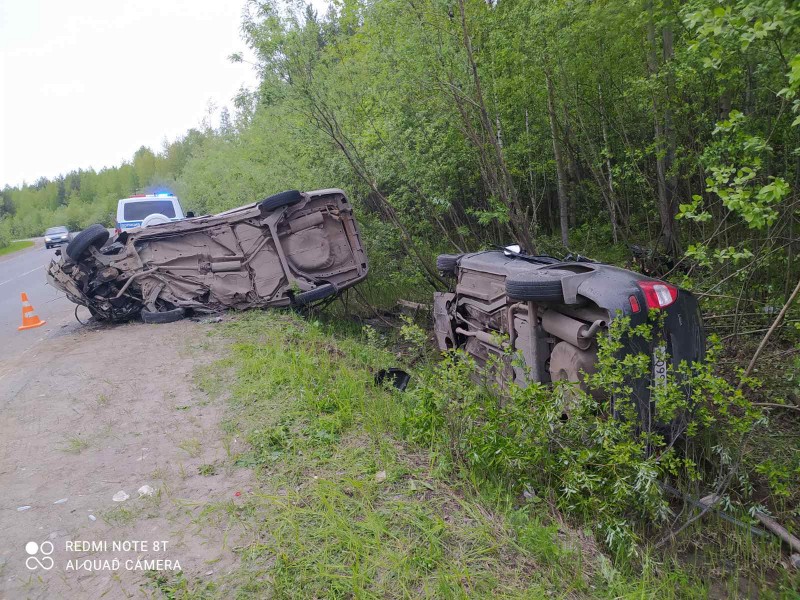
137, 211
56, 230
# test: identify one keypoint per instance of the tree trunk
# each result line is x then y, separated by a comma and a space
664, 138
563, 201
612, 202
572, 183
534, 203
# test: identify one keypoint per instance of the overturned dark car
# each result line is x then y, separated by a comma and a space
551, 313
291, 249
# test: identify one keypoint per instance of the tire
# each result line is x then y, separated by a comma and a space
95, 235
318, 293
47, 246
276, 201
536, 286
166, 316
155, 219
447, 263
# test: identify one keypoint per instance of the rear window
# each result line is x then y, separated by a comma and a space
56, 230
137, 211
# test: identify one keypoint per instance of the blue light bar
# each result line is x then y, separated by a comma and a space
163, 194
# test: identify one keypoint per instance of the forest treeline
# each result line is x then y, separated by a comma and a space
459, 124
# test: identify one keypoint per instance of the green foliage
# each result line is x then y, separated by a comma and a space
415, 337
603, 471
728, 35
734, 160
355, 513
364, 514
14, 246
5, 232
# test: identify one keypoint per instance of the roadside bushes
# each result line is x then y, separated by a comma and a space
559, 444
77, 215
5, 232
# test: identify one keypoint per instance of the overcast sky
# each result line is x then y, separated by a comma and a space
85, 83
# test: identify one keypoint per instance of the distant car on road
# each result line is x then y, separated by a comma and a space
144, 210
55, 236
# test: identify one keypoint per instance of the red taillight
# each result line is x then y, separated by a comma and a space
658, 294
635, 304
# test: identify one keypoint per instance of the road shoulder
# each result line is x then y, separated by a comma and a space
15, 247
100, 411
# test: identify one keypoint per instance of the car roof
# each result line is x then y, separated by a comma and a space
146, 197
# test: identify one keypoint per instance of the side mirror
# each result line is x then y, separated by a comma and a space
190, 214
513, 250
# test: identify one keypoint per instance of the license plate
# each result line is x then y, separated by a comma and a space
660, 366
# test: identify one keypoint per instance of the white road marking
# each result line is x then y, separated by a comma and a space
22, 275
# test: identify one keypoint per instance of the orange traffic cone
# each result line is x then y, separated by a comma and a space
29, 318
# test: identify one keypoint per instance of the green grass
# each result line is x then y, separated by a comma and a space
15, 246
191, 446
322, 520
75, 444
319, 433
207, 470
120, 515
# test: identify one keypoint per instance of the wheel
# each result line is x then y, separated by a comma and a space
536, 286
155, 219
164, 316
318, 293
447, 263
276, 201
47, 246
95, 235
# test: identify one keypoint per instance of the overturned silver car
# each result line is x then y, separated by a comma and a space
291, 249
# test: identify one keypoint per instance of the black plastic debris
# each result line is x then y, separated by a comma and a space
398, 378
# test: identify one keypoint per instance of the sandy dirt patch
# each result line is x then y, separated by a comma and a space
91, 412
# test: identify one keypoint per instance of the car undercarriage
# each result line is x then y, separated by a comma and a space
551, 313
291, 249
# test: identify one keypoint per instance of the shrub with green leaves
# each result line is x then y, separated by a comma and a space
600, 469
5, 232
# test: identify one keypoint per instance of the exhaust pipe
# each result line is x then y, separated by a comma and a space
570, 330
483, 336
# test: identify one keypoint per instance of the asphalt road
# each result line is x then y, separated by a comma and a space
24, 271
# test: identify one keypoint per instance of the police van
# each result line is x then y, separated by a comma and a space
144, 210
